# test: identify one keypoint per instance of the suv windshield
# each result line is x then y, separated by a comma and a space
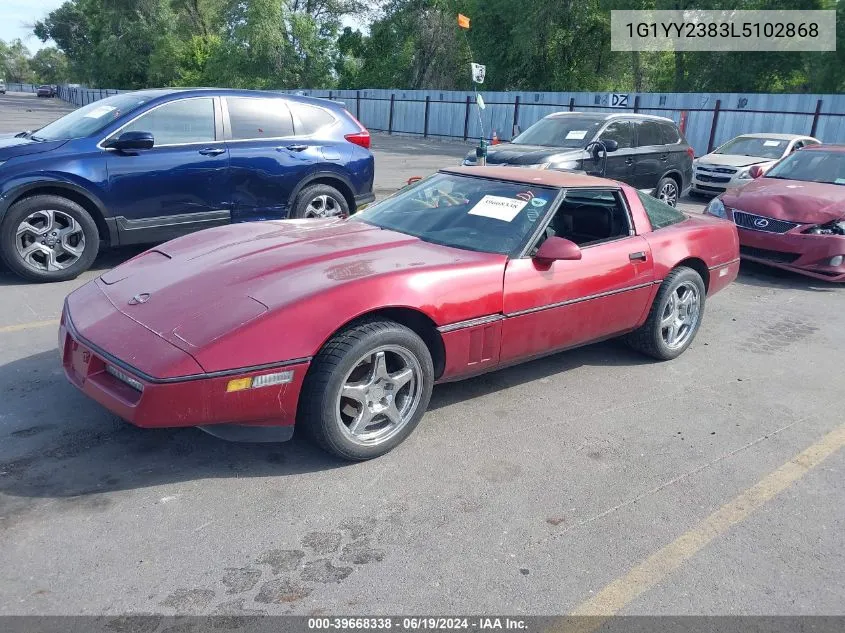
811, 166
91, 118
752, 146
560, 131
472, 213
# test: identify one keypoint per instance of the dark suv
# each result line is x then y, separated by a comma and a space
650, 152
148, 166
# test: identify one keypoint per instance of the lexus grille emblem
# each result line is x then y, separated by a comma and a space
139, 298
761, 223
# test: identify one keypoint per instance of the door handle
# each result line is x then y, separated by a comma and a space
664, 157
292, 148
629, 161
639, 256
211, 151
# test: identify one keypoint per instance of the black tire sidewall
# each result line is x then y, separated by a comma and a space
322, 406
662, 182
678, 276
20, 210
304, 197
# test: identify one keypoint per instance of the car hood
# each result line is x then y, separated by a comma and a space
790, 200
516, 154
733, 160
255, 268
10, 146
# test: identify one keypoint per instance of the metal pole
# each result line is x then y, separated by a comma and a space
571, 104
427, 107
716, 109
515, 116
466, 118
390, 119
816, 118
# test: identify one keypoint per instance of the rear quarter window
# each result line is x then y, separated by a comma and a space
309, 119
659, 213
671, 135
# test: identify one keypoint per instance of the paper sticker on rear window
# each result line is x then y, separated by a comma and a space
576, 135
99, 112
772, 143
498, 208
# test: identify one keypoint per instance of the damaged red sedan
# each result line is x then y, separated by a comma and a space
343, 326
794, 216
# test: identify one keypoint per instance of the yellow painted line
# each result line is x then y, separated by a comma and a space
28, 326
622, 591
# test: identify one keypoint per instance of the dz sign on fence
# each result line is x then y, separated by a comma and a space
618, 100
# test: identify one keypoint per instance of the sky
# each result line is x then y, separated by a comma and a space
15, 15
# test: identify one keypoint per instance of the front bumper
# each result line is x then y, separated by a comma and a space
794, 250
193, 400
714, 183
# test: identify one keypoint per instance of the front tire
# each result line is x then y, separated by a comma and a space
320, 201
675, 316
367, 389
46, 238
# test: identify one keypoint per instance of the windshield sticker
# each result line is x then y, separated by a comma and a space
576, 135
538, 202
498, 208
771, 143
525, 195
532, 215
100, 112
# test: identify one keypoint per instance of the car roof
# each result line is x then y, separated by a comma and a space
155, 93
783, 137
824, 148
607, 116
547, 177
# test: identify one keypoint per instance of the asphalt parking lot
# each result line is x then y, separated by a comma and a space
595, 481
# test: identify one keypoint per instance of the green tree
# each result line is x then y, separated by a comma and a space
14, 58
50, 66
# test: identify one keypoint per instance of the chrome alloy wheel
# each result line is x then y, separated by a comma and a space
669, 193
380, 395
680, 315
323, 206
49, 240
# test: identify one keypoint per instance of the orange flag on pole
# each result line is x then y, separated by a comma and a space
463, 21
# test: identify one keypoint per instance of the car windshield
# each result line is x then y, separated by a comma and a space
477, 214
811, 166
91, 118
754, 146
560, 131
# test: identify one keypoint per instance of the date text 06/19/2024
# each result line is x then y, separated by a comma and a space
423, 623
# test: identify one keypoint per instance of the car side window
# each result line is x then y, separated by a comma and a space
308, 119
620, 131
659, 213
178, 122
670, 133
649, 133
589, 217
257, 118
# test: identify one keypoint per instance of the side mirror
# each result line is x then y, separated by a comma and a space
756, 171
413, 179
131, 141
596, 147
557, 248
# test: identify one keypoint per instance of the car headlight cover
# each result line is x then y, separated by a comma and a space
744, 174
716, 207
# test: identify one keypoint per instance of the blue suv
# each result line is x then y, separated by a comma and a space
148, 166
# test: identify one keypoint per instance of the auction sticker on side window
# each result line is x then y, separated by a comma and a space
100, 112
498, 208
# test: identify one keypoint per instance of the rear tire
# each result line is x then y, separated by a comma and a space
320, 201
667, 191
367, 389
47, 238
674, 318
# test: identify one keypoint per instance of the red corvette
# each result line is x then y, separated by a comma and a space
343, 325
794, 216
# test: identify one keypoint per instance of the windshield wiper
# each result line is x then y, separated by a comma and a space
38, 139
